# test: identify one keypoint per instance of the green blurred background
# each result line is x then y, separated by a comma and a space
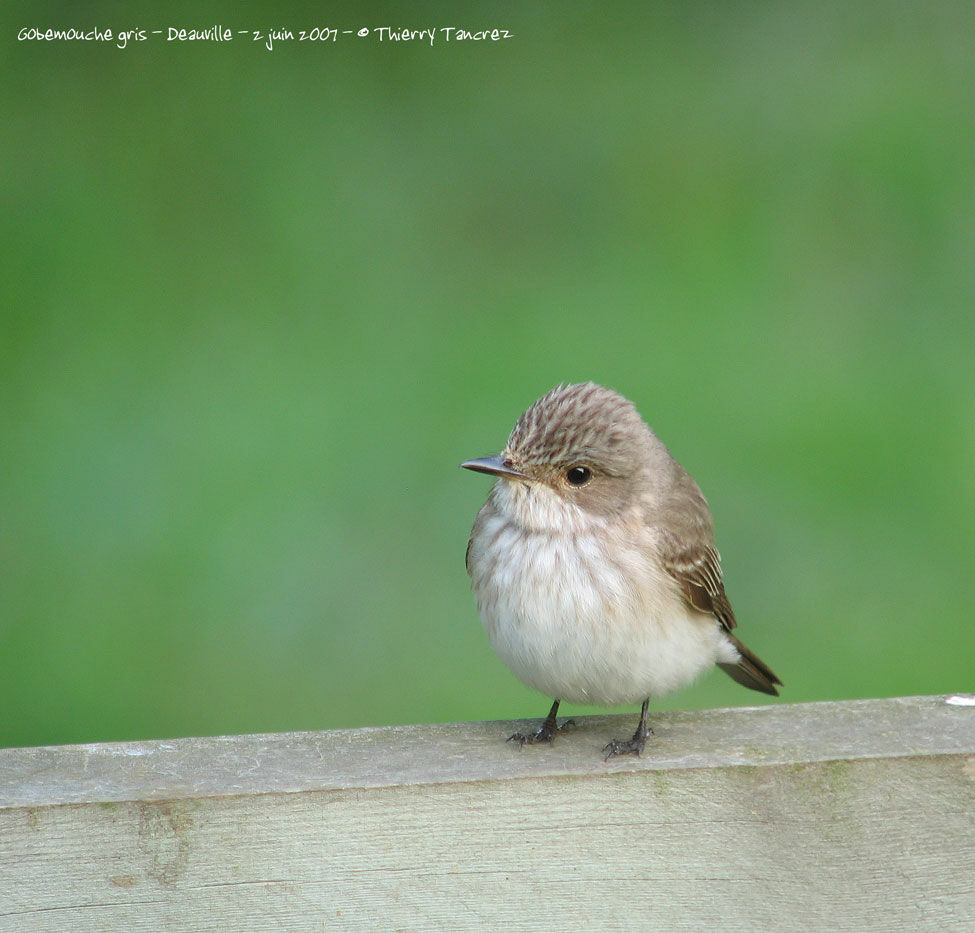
257, 306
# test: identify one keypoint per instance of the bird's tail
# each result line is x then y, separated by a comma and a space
749, 670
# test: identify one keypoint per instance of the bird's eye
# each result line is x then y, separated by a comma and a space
578, 475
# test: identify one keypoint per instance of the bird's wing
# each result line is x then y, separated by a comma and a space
688, 554
698, 571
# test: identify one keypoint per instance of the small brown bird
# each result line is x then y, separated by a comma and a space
594, 565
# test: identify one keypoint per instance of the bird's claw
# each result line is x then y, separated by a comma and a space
623, 747
632, 746
546, 734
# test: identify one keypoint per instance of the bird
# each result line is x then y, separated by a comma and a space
594, 566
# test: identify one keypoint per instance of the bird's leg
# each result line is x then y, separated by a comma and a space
550, 728
635, 745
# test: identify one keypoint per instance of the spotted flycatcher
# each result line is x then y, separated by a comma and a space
594, 565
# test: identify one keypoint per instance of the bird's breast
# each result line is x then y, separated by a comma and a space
588, 615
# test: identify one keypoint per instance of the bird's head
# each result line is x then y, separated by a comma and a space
580, 453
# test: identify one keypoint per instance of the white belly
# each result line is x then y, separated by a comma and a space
578, 628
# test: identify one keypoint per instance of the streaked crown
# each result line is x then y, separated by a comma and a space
582, 423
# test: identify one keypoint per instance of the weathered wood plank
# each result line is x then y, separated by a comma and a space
831, 816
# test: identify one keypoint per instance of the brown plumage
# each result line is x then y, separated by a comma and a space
594, 562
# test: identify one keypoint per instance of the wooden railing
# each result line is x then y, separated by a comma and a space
823, 816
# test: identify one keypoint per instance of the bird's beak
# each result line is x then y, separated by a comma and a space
496, 466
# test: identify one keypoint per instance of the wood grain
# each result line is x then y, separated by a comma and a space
828, 816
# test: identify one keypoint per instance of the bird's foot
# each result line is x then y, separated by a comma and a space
546, 734
632, 746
